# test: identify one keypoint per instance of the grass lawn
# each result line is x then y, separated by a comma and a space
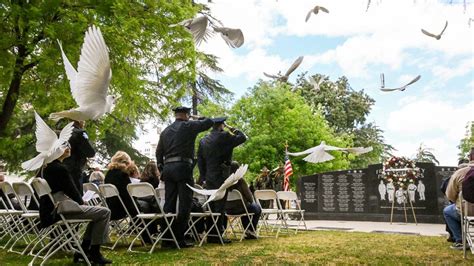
306, 247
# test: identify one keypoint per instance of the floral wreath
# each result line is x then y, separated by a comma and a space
401, 171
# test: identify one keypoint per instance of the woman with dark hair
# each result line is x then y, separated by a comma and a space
151, 174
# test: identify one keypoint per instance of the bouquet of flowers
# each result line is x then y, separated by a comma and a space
400, 171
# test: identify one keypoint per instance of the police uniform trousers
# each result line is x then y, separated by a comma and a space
176, 176
98, 229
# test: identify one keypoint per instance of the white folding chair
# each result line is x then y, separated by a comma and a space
97, 198
25, 196
124, 227
66, 231
12, 221
196, 217
467, 225
236, 219
209, 214
142, 190
291, 197
269, 195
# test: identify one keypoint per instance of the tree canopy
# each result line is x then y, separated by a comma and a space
346, 111
270, 114
142, 47
467, 142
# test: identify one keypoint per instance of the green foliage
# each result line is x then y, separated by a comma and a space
467, 142
425, 155
141, 44
271, 115
346, 111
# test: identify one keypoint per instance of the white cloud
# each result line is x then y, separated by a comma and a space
438, 124
447, 73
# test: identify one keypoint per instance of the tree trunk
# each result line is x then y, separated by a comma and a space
13, 90
195, 99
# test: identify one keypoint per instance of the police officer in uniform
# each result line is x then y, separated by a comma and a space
174, 157
81, 149
214, 160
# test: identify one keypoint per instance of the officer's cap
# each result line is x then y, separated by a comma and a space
219, 120
182, 109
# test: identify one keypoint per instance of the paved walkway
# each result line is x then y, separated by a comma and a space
376, 227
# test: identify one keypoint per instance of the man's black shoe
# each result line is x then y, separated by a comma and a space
250, 235
168, 244
185, 244
217, 240
171, 244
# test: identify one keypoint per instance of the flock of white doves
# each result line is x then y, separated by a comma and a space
90, 83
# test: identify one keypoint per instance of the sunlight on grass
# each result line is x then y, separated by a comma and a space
306, 247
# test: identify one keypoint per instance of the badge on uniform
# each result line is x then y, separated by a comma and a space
84, 134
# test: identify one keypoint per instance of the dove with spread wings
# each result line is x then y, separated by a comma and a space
90, 83
48, 144
436, 36
315, 10
320, 153
285, 77
382, 85
202, 28
217, 194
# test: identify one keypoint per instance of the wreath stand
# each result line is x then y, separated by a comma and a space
404, 209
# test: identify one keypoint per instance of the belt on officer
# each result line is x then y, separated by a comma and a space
178, 159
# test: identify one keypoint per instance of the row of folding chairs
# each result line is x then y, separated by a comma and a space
22, 226
276, 216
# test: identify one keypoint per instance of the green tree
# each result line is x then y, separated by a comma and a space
467, 142
141, 46
425, 155
271, 115
346, 111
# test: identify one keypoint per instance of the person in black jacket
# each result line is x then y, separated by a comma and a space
118, 175
214, 161
174, 155
81, 149
62, 186
120, 169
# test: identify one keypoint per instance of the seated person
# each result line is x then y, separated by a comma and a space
97, 177
121, 168
452, 212
151, 174
62, 185
235, 207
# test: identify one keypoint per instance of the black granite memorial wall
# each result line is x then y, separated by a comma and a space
362, 195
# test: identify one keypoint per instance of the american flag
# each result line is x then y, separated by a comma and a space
288, 173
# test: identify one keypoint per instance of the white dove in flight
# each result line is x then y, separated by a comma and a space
201, 30
315, 10
90, 83
285, 77
437, 37
198, 27
319, 153
233, 37
48, 144
217, 194
401, 88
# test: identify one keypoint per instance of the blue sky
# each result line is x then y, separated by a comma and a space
360, 45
